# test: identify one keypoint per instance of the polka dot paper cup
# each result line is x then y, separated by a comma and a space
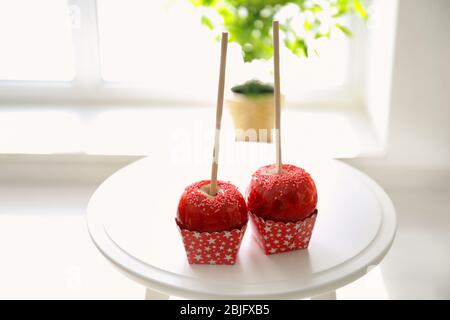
278, 237
213, 248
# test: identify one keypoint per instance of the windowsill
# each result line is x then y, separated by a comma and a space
138, 131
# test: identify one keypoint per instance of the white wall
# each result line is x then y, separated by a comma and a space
380, 46
419, 128
416, 168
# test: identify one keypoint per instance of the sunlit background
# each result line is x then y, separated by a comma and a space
88, 86
160, 44
158, 53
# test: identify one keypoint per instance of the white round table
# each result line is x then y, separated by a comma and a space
131, 221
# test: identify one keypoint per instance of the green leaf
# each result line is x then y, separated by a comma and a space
359, 8
322, 35
342, 8
203, 3
297, 47
207, 22
227, 15
307, 25
253, 88
345, 30
316, 8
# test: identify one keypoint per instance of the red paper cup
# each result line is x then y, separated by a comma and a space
212, 248
278, 237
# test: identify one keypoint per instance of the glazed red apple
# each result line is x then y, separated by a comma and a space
286, 197
199, 211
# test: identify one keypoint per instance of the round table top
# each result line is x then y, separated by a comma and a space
131, 221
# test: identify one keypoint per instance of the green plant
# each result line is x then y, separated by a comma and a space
253, 88
249, 22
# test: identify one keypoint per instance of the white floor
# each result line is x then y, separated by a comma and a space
46, 252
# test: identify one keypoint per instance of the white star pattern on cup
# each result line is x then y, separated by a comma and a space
282, 237
212, 248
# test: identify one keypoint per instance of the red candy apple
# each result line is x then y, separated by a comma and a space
289, 196
199, 211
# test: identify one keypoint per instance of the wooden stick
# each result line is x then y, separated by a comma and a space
276, 74
219, 108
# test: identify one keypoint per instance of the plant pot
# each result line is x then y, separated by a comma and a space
253, 116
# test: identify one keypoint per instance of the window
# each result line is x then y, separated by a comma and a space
155, 48
163, 44
86, 68
36, 41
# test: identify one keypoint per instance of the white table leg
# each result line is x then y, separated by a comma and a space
325, 296
155, 295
